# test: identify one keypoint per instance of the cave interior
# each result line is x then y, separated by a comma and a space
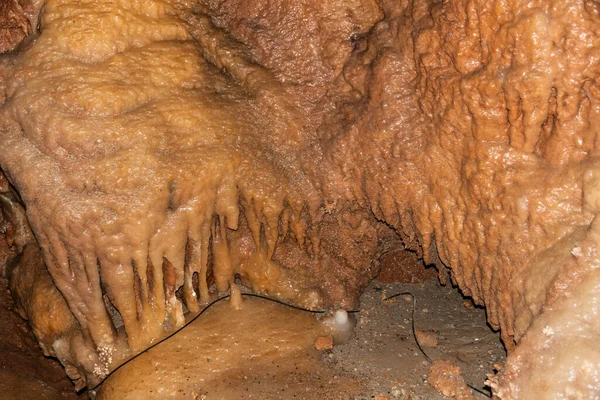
156, 155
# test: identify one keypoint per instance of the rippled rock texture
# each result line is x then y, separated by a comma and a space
162, 148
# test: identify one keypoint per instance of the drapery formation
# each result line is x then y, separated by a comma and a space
163, 148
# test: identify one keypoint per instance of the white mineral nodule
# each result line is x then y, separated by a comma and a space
341, 318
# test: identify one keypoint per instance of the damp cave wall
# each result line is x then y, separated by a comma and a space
467, 126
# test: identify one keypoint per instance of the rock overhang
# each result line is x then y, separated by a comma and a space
214, 144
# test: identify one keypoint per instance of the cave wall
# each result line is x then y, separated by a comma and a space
159, 145
478, 141
158, 161
459, 161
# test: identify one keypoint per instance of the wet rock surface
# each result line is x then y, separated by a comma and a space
24, 371
17, 21
162, 148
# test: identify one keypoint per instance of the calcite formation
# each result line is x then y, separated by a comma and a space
163, 149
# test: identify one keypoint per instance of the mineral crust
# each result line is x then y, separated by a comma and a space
164, 148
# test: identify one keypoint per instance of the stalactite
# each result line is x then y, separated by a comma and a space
164, 149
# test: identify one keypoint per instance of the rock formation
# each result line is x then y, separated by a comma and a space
163, 148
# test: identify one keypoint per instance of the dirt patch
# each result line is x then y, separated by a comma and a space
383, 352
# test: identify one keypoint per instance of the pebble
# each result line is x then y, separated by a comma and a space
324, 343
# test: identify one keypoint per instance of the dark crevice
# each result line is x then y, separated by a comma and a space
137, 288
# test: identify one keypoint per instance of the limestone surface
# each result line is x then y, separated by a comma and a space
163, 149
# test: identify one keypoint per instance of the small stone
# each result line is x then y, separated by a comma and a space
382, 398
324, 343
427, 338
447, 379
407, 298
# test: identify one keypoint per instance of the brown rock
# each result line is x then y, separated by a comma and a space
24, 371
447, 379
467, 129
324, 343
14, 23
427, 338
404, 266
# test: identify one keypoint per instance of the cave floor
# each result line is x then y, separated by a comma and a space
383, 352
381, 358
